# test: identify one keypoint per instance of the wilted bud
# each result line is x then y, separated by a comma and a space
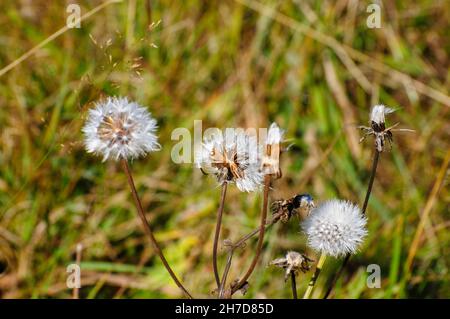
293, 262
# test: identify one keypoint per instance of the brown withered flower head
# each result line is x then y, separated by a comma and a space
270, 164
378, 127
293, 262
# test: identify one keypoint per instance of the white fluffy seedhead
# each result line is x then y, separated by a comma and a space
120, 129
335, 228
233, 157
378, 112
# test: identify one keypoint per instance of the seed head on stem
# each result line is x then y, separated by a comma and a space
233, 157
378, 127
272, 151
121, 130
293, 262
335, 228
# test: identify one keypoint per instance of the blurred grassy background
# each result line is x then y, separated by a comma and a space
312, 66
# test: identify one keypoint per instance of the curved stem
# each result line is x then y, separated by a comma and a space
147, 228
217, 233
375, 161
293, 286
262, 228
313, 280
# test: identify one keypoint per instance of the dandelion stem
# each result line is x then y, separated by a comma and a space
313, 280
242, 241
225, 275
376, 157
148, 229
375, 161
217, 233
262, 228
293, 286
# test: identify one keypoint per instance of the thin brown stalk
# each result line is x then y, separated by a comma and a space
148, 229
376, 158
241, 242
293, 286
225, 275
262, 229
217, 233
148, 10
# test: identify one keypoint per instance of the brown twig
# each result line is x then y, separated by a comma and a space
148, 229
217, 233
262, 229
293, 286
376, 157
225, 274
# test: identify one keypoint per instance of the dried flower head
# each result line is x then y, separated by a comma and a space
377, 118
233, 157
270, 163
378, 127
120, 129
335, 228
287, 208
293, 262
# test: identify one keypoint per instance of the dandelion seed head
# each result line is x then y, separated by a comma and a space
233, 157
117, 128
335, 228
